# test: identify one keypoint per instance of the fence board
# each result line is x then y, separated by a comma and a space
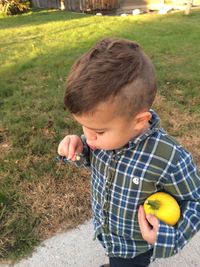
46, 3
84, 5
93, 5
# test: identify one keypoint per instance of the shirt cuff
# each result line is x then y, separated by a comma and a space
165, 245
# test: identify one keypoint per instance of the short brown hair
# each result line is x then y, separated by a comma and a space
112, 68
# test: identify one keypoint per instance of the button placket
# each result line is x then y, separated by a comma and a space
107, 197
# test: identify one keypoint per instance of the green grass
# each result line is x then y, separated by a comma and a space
38, 197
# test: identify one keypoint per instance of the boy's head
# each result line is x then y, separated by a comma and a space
109, 92
115, 70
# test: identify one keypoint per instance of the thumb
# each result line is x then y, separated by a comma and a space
152, 220
78, 150
76, 147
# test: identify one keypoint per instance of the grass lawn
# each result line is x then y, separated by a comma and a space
37, 196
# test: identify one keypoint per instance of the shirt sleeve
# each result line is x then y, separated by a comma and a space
184, 185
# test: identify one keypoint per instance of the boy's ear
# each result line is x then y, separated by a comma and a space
142, 119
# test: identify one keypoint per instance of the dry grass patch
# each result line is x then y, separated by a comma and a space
184, 126
5, 143
59, 203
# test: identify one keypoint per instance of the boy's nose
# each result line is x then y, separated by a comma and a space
90, 135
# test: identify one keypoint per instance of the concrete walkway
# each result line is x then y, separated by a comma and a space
77, 249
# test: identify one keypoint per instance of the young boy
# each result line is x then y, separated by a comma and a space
110, 91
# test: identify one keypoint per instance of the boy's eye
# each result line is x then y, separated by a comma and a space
100, 133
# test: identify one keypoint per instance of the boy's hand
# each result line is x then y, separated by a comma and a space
70, 146
149, 232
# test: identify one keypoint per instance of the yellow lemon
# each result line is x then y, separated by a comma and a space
164, 207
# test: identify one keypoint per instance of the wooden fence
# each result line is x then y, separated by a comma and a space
90, 5
46, 3
77, 5
102, 5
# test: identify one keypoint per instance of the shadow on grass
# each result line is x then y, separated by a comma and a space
37, 18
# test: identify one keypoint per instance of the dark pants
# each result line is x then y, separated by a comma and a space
142, 260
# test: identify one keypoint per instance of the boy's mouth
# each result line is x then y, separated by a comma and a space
92, 147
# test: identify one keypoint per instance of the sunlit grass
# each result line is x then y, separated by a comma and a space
38, 197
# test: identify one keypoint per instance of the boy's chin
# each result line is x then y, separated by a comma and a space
106, 148
92, 147
112, 148
117, 147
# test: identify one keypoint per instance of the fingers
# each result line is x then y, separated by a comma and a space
152, 220
143, 223
70, 146
75, 147
78, 150
63, 147
148, 233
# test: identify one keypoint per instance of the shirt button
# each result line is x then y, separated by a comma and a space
136, 180
106, 206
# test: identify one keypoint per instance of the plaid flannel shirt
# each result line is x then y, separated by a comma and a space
123, 179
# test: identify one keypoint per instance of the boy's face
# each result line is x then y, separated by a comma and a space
105, 130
